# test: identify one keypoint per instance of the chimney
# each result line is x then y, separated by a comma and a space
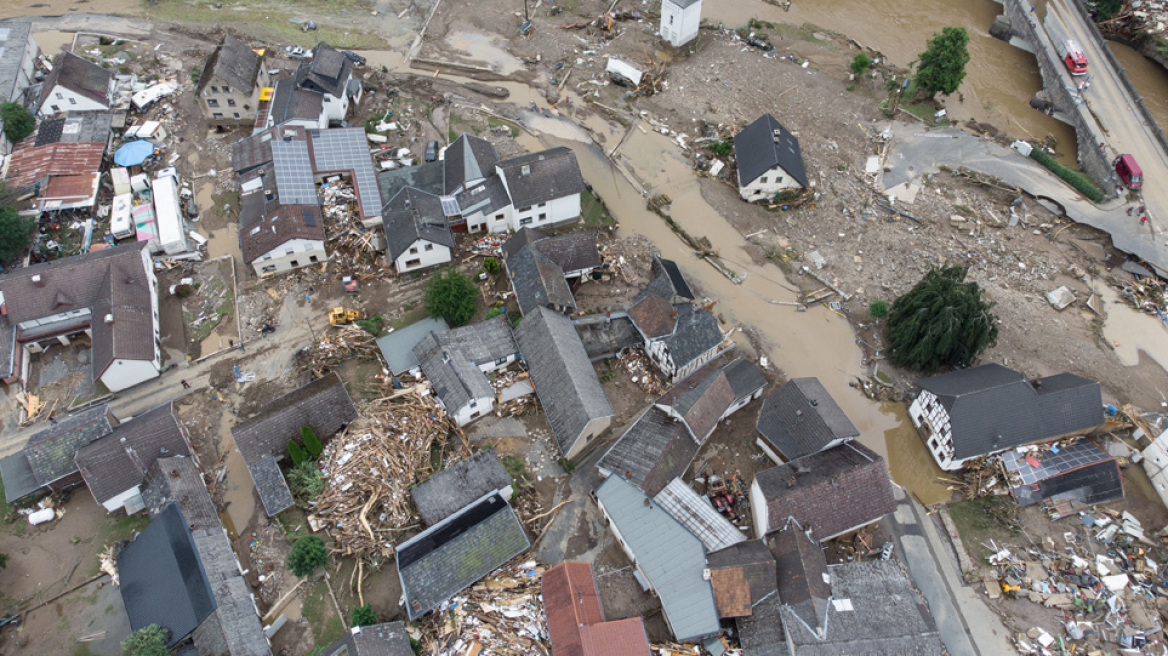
38, 281
109, 319
525, 169
814, 403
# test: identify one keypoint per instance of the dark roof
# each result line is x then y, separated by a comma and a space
744, 376
118, 461
398, 347
562, 374
89, 127
162, 580
266, 224
8, 355
80, 76
801, 418
177, 479
607, 336
388, 639
1081, 473
459, 485
486, 197
765, 144
452, 555
424, 177
541, 177
575, 618
255, 150
696, 334
700, 400
14, 38
456, 380
653, 451
522, 237
52, 451
654, 317
538, 282
754, 568
667, 282
19, 481
802, 574
327, 72
830, 492
992, 408
323, 404
761, 633
412, 215
291, 103
468, 158
270, 484
575, 251
233, 62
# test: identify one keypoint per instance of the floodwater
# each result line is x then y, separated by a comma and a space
239, 491
1131, 332
1149, 78
53, 42
485, 48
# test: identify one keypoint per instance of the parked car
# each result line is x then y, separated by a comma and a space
432, 151
298, 52
357, 60
1129, 172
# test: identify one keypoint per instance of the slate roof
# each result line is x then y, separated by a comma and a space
829, 492
451, 359
666, 282
802, 575
654, 317
117, 462
696, 334
19, 481
801, 418
745, 377
80, 76
162, 580
700, 400
412, 215
655, 450
270, 484
538, 282
452, 555
696, 514
552, 174
992, 408
459, 485
576, 625
327, 72
398, 347
423, 177
468, 158
291, 103
8, 355
265, 225
486, 197
323, 404
388, 639
743, 575
669, 556
233, 62
51, 452
562, 375
89, 127
761, 633
764, 144
1081, 473
13, 41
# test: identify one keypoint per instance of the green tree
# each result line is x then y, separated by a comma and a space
15, 230
1105, 9
306, 555
494, 312
18, 123
452, 296
297, 453
362, 615
491, 265
943, 321
860, 63
305, 481
941, 67
147, 641
878, 309
311, 443
722, 148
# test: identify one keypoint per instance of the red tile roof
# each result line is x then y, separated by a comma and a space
616, 638
27, 166
576, 623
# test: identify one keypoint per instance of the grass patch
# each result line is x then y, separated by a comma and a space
322, 621
983, 519
409, 317
805, 32
495, 123
293, 523
272, 18
1076, 179
112, 531
594, 212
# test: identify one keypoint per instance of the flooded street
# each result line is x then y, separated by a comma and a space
239, 491
1131, 332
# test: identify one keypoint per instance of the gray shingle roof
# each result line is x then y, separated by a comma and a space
162, 580
424, 177
745, 377
801, 418
327, 72
696, 334
562, 374
829, 492
398, 347
756, 563
7, 347
700, 399
270, 484
538, 282
412, 215
765, 144
522, 237
667, 282
52, 451
468, 158
291, 103
671, 558
323, 404
452, 555
13, 41
80, 76
233, 62
992, 408
653, 451
19, 481
459, 485
761, 633
550, 174
388, 639
486, 197
802, 575
696, 514
451, 359
118, 461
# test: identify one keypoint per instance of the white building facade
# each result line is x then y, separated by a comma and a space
765, 186
422, 254
929, 415
680, 20
292, 254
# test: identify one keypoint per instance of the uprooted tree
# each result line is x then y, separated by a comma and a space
943, 321
452, 296
941, 67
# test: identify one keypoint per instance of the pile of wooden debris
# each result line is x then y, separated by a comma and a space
359, 247
338, 343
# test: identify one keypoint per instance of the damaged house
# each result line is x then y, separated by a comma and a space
231, 84
457, 362
679, 338
76, 85
51, 452
1068, 477
984, 410
801, 418
543, 269
18, 55
59, 174
769, 160
575, 617
417, 234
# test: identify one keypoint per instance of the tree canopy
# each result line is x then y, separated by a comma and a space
452, 296
941, 322
15, 230
363, 615
308, 553
941, 67
18, 123
147, 641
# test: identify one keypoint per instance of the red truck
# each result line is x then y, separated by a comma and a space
1073, 56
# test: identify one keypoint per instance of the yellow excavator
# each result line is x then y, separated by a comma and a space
342, 317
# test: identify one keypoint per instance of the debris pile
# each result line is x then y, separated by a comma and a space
498, 616
369, 468
339, 343
490, 245
642, 371
357, 246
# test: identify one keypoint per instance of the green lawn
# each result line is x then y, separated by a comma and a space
595, 215
983, 519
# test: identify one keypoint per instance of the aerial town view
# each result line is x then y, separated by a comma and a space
583, 327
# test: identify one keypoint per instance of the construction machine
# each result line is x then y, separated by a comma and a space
342, 317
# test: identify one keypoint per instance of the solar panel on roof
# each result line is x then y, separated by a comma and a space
346, 150
450, 206
309, 217
294, 178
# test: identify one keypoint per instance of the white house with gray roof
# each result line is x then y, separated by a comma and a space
544, 188
417, 233
680, 20
769, 160
457, 362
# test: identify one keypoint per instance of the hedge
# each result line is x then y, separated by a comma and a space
1076, 179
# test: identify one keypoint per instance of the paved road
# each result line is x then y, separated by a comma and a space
916, 151
967, 626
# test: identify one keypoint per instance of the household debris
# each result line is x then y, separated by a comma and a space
335, 346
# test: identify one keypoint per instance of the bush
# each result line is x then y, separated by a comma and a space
305, 481
860, 63
18, 123
372, 325
15, 230
878, 309
363, 615
312, 444
147, 641
297, 453
1076, 179
452, 296
722, 148
494, 312
306, 555
491, 265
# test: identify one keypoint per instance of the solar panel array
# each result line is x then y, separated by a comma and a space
309, 217
294, 179
1069, 457
345, 149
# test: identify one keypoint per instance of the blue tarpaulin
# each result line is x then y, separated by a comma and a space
133, 153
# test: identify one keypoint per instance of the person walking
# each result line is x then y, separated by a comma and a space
185, 384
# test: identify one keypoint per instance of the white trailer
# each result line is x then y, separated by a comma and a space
121, 222
172, 229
